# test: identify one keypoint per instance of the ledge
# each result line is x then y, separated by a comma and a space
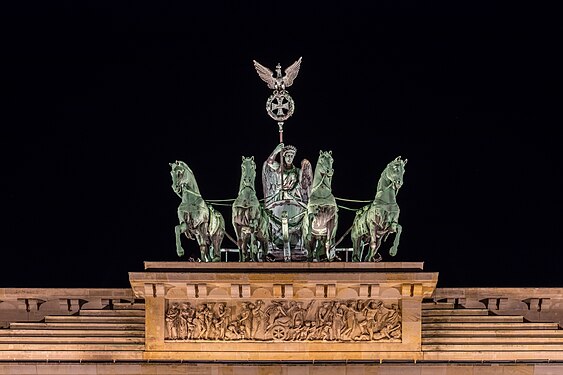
274, 267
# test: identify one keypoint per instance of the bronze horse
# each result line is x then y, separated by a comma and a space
249, 217
321, 221
198, 220
374, 222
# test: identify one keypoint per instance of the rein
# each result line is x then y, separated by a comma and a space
323, 175
187, 190
390, 186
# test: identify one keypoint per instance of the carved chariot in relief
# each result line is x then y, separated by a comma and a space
283, 320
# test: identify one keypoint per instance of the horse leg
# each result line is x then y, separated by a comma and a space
264, 245
245, 244
239, 234
309, 243
311, 246
262, 241
253, 247
328, 252
373, 246
241, 243
203, 251
203, 247
179, 229
397, 228
217, 239
331, 234
356, 250
318, 246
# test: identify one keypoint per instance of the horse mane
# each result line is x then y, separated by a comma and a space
318, 171
189, 179
382, 179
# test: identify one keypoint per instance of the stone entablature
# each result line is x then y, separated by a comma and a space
29, 304
454, 324
382, 302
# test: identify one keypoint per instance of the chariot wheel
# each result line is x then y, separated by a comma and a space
279, 332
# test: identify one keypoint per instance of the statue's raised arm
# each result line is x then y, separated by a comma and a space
271, 173
286, 182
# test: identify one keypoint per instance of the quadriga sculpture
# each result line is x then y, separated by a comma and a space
250, 219
321, 221
374, 222
198, 220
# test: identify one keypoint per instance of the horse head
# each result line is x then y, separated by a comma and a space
182, 177
248, 173
394, 172
323, 170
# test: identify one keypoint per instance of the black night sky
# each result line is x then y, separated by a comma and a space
101, 95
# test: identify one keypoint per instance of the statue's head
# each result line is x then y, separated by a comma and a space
289, 152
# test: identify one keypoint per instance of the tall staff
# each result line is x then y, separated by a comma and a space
280, 107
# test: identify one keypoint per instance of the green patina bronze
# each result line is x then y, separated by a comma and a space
286, 194
250, 219
374, 222
298, 219
198, 220
321, 221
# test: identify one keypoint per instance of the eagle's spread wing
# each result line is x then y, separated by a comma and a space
291, 73
266, 74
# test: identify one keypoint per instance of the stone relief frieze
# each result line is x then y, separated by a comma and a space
281, 320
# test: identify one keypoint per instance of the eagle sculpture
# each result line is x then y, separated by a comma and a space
278, 82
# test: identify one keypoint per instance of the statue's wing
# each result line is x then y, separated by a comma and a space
291, 72
268, 180
306, 179
266, 74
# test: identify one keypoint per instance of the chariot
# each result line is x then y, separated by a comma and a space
298, 217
